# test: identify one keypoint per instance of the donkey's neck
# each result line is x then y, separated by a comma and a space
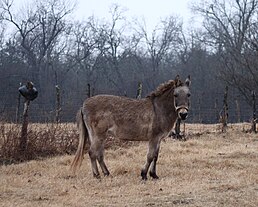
164, 110
165, 102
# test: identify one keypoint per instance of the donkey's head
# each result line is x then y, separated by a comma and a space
182, 97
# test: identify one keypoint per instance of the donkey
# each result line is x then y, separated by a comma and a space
148, 119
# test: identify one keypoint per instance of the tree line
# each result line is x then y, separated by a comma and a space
42, 43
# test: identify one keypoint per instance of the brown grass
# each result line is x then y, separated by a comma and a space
209, 169
43, 140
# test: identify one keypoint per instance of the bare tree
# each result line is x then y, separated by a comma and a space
160, 42
2, 33
38, 29
81, 52
110, 41
231, 28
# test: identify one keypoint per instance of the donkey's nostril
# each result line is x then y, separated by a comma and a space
183, 115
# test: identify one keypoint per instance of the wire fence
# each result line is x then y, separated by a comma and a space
204, 109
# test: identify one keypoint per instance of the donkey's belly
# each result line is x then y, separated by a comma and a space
133, 133
126, 127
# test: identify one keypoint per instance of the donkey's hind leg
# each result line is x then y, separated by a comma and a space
96, 152
102, 164
93, 159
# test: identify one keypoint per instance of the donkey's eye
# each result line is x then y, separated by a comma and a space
188, 94
175, 95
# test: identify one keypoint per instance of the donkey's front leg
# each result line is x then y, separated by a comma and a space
153, 164
152, 158
146, 167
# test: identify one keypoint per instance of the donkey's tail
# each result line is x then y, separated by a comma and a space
83, 136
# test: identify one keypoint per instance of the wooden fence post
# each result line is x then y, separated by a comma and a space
216, 110
17, 118
199, 111
238, 111
88, 90
253, 129
177, 133
139, 91
224, 114
177, 127
58, 104
24, 131
29, 92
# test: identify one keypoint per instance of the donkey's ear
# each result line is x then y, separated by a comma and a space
188, 81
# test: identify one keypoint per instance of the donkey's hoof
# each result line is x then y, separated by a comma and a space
154, 175
144, 175
97, 176
106, 174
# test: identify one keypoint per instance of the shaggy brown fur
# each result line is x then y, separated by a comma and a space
148, 119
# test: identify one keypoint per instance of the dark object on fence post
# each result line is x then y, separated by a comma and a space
29, 92
17, 118
139, 91
224, 113
253, 129
58, 103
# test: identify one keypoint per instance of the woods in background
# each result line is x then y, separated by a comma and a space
43, 44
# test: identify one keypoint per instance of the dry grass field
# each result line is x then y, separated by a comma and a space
209, 169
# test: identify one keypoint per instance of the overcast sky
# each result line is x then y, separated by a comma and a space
151, 10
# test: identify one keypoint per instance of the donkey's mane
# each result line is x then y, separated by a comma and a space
162, 88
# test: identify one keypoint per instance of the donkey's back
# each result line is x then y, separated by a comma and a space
121, 117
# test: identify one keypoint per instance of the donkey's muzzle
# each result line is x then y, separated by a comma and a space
183, 115
182, 112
